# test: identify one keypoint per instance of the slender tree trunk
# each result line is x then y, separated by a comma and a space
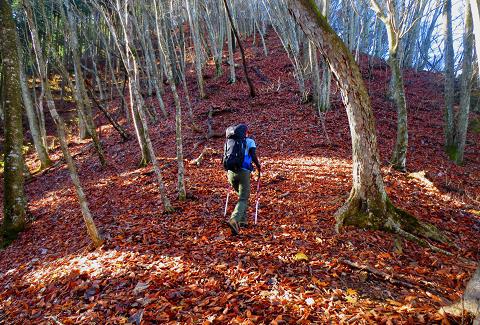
40, 113
457, 153
114, 80
129, 76
368, 205
397, 90
80, 84
130, 64
150, 69
91, 228
230, 41
194, 31
32, 116
14, 201
475, 7
324, 95
245, 68
182, 195
399, 156
449, 75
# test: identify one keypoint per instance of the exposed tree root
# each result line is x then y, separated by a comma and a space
421, 242
383, 215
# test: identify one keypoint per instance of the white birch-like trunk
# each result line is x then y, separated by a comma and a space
91, 228
457, 154
86, 115
191, 6
40, 148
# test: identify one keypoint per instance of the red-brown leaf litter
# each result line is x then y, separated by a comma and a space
185, 267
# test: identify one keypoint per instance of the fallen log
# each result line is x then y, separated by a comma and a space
395, 279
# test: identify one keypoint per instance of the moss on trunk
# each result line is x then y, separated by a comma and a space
14, 202
378, 215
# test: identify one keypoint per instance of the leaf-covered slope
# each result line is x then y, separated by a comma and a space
186, 267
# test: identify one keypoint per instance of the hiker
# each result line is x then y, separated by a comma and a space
239, 153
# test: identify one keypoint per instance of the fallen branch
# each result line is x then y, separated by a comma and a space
259, 73
204, 152
54, 319
217, 110
187, 156
281, 196
394, 279
123, 133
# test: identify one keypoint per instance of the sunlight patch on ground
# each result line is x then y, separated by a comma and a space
313, 163
53, 199
96, 264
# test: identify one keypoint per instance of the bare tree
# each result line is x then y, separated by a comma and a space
87, 115
40, 147
368, 205
192, 10
396, 29
456, 152
91, 228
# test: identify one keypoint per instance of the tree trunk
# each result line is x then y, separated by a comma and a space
91, 228
461, 125
130, 64
40, 148
237, 37
80, 84
129, 76
230, 44
162, 43
475, 7
449, 75
368, 205
150, 68
194, 30
399, 156
14, 201
324, 95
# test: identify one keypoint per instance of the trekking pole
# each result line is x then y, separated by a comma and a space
226, 202
258, 199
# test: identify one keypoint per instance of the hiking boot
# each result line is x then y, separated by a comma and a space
234, 227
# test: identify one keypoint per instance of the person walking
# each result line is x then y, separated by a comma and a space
238, 159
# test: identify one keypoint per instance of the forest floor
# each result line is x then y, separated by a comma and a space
186, 267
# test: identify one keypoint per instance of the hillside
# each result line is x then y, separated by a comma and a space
186, 267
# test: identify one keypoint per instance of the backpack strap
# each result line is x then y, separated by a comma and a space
224, 152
